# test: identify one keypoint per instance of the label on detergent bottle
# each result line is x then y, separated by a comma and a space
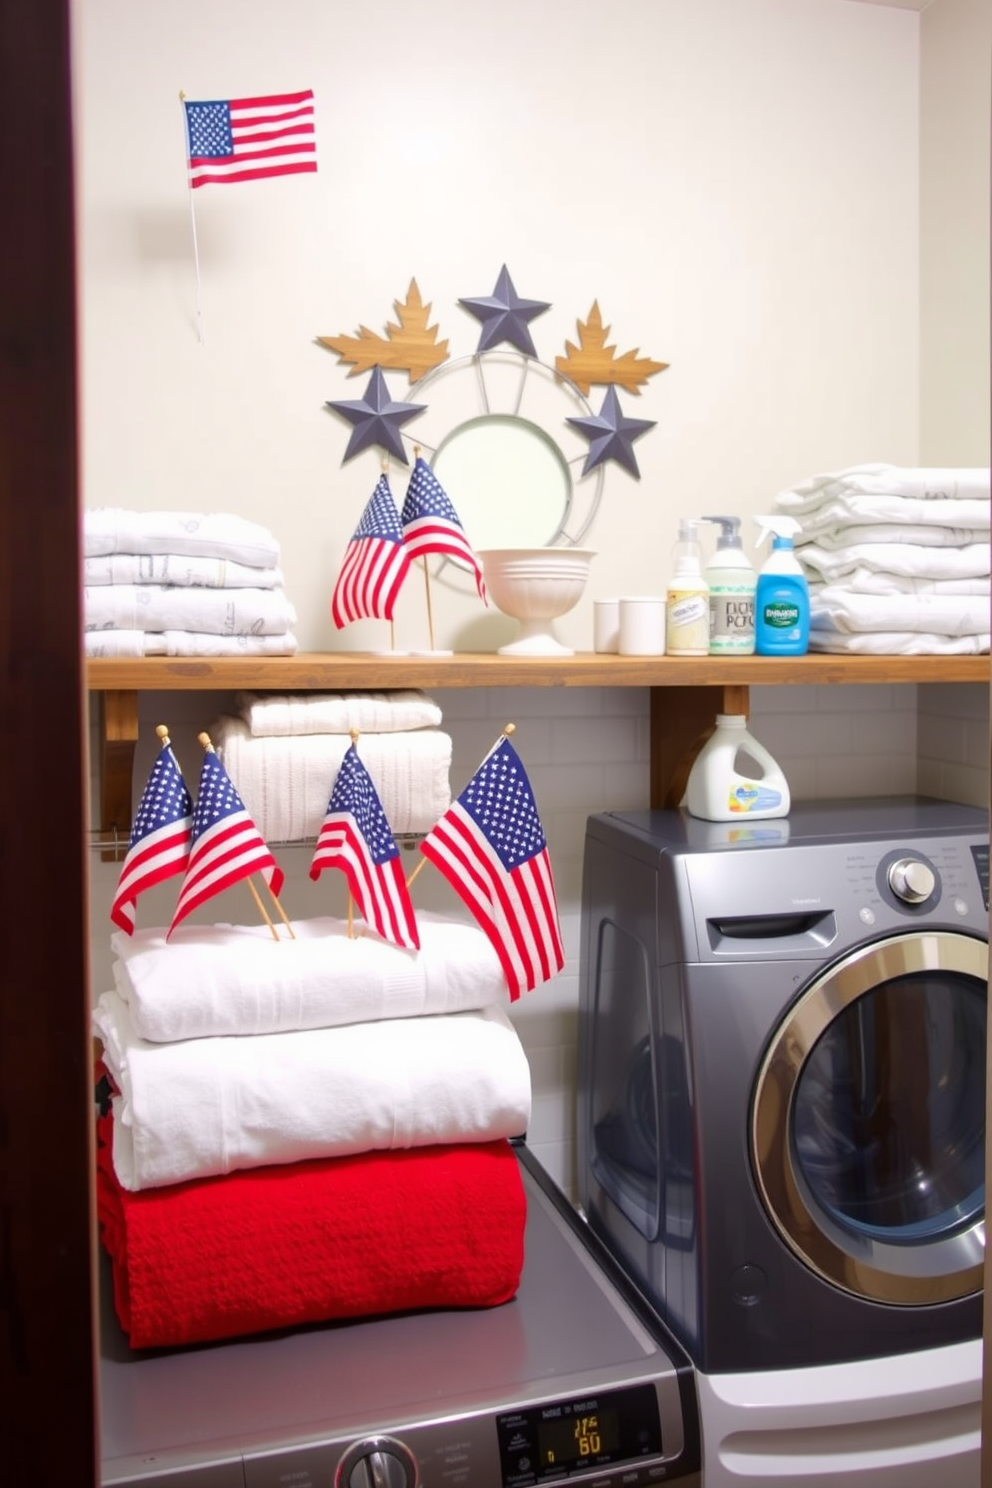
780, 614
748, 795
687, 622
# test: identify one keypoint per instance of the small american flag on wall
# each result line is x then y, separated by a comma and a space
247, 139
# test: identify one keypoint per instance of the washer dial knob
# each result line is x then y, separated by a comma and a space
911, 881
377, 1462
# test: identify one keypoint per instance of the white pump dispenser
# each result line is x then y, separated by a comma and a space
732, 581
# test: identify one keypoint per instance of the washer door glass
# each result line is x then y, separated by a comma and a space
868, 1129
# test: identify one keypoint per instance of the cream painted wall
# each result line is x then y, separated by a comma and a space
956, 47
735, 181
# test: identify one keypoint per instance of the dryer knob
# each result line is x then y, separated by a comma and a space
911, 881
377, 1462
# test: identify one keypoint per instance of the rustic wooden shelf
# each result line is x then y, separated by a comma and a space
682, 691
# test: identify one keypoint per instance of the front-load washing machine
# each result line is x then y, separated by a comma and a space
781, 1122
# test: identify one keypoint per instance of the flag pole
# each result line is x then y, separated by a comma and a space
261, 908
511, 728
192, 221
427, 578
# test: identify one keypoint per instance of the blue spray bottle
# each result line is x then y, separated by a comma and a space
781, 601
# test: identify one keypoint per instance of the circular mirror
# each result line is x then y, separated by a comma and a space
495, 432
506, 478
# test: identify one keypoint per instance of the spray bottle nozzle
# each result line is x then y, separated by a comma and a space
730, 531
782, 526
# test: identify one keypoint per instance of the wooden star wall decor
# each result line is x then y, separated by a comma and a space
412, 346
592, 361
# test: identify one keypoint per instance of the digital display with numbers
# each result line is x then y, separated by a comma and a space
562, 1439
578, 1438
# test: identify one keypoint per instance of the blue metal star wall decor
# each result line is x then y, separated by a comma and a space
505, 316
611, 436
377, 420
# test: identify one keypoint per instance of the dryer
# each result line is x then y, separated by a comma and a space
781, 1096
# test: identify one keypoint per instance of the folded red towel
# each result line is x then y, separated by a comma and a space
274, 1247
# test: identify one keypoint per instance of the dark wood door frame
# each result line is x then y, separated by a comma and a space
48, 1417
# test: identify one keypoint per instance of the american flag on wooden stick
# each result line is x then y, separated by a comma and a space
491, 848
431, 524
160, 837
375, 564
356, 837
227, 846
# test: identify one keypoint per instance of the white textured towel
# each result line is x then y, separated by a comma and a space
158, 607
875, 581
179, 569
836, 608
184, 643
906, 560
235, 979
202, 1107
114, 529
268, 715
966, 515
897, 643
926, 483
912, 534
286, 783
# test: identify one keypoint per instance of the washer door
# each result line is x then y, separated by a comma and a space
868, 1121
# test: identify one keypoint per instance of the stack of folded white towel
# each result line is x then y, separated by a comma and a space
230, 1050
897, 559
182, 584
284, 752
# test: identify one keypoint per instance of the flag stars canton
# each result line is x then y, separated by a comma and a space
165, 800
499, 800
216, 796
209, 129
355, 792
380, 518
426, 496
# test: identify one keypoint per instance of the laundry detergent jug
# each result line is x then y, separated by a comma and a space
720, 788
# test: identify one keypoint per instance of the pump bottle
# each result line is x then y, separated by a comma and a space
687, 601
731, 578
781, 604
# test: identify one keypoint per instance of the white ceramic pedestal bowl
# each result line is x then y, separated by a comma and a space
535, 586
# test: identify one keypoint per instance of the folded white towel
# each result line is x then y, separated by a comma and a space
202, 1107
913, 534
922, 484
971, 515
235, 979
157, 607
874, 581
908, 560
286, 783
268, 715
897, 643
114, 529
184, 643
836, 608
179, 569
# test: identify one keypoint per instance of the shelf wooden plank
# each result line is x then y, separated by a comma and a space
349, 670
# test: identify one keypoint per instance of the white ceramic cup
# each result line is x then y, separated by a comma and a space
642, 626
605, 624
